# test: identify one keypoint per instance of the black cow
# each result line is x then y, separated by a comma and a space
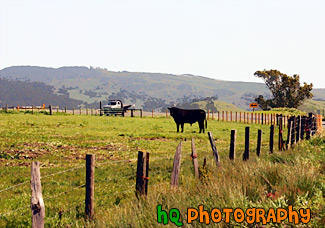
182, 116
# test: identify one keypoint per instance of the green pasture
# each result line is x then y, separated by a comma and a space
60, 142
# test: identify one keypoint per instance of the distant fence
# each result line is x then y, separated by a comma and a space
299, 128
225, 116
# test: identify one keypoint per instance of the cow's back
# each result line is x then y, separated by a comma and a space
189, 115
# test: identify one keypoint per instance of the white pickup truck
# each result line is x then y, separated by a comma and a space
115, 107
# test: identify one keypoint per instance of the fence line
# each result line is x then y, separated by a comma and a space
14, 186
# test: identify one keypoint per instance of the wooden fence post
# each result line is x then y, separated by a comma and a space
6, 108
195, 161
236, 117
87, 111
32, 109
65, 109
176, 166
223, 115
218, 116
214, 149
90, 180
281, 144
141, 185
302, 127
233, 136
308, 125
262, 118
208, 114
51, 112
271, 138
141, 113
37, 203
246, 153
314, 125
227, 116
231, 116
289, 134
212, 116
293, 129
166, 113
252, 117
152, 113
244, 117
259, 142
73, 110
100, 108
255, 118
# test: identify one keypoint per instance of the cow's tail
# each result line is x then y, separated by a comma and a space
206, 124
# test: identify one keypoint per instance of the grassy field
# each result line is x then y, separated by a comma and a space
60, 142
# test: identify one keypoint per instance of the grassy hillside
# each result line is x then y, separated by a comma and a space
220, 106
313, 106
146, 90
60, 143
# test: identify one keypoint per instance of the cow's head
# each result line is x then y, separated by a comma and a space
172, 111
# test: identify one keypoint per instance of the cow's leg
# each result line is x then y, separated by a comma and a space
182, 127
201, 126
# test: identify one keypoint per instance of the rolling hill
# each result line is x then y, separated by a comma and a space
146, 90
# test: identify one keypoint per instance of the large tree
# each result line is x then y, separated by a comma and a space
286, 90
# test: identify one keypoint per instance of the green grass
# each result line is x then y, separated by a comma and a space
60, 142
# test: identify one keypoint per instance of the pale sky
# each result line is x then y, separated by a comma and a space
228, 40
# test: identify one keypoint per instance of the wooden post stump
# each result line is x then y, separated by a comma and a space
37, 203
